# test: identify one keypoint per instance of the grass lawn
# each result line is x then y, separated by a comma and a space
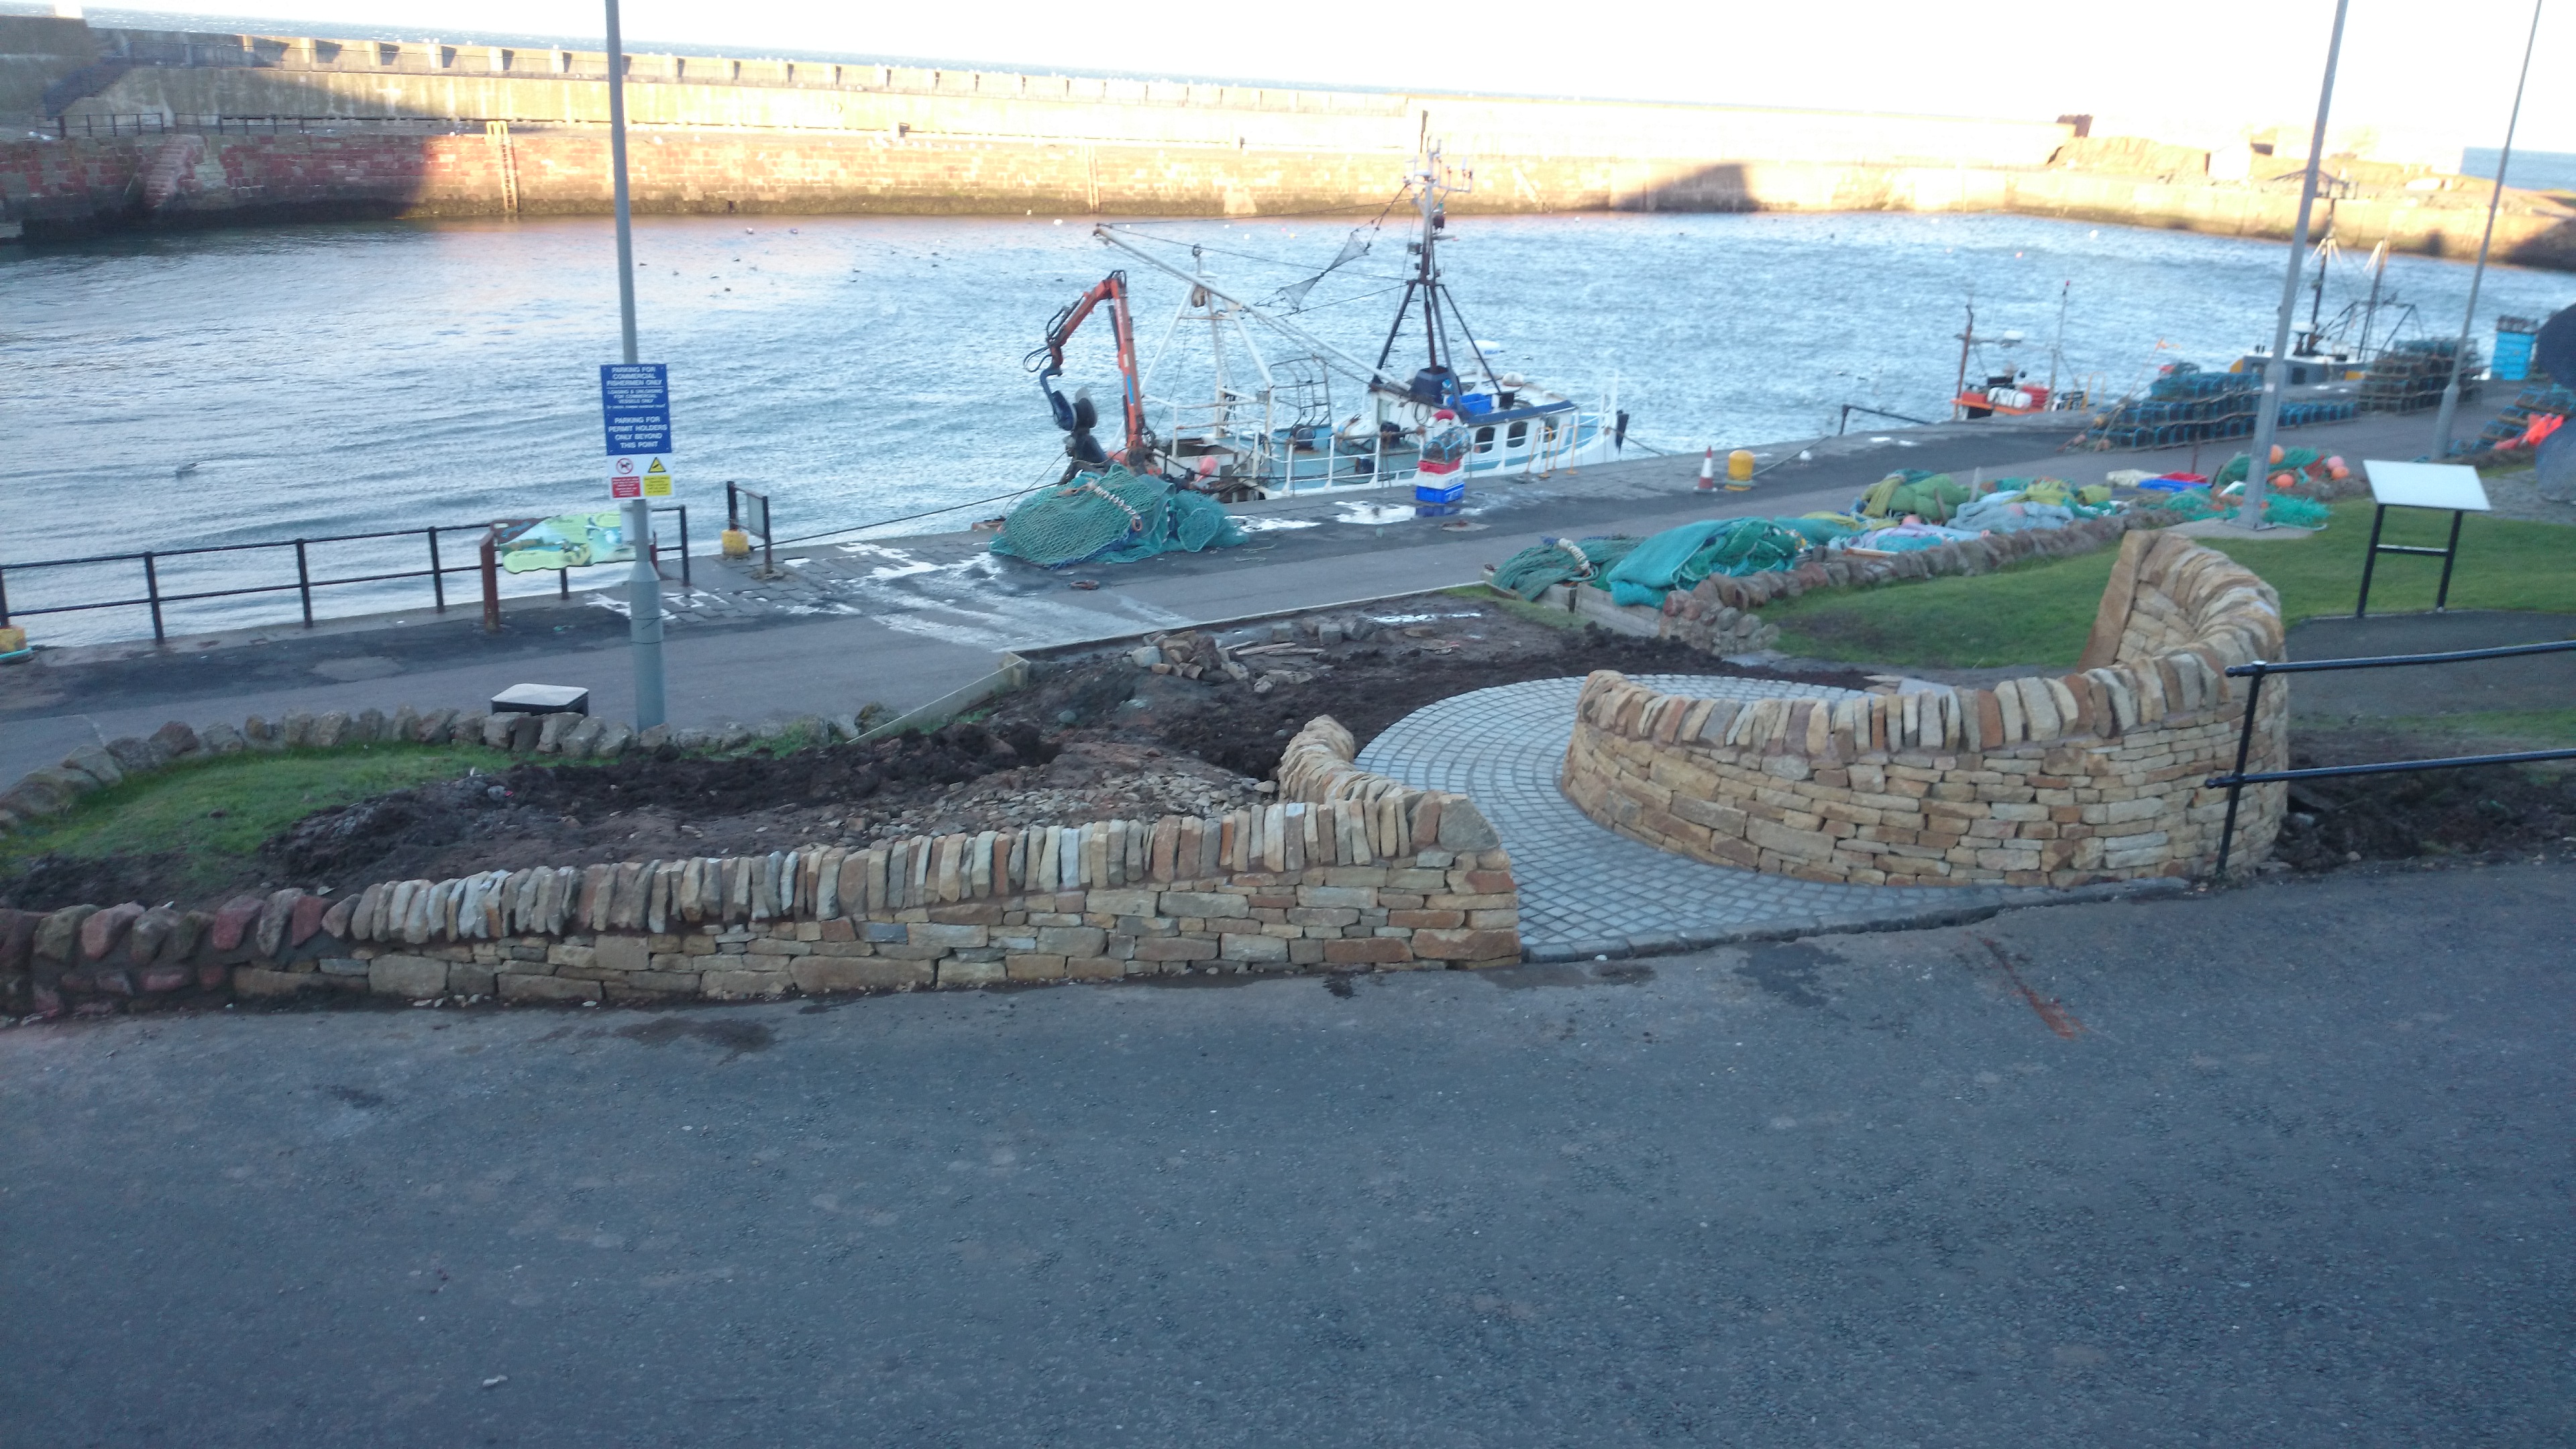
2041, 612
217, 811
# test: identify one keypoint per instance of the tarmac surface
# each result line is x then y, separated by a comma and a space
902, 621
2283, 1166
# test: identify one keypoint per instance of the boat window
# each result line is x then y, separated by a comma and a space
1517, 433
1485, 438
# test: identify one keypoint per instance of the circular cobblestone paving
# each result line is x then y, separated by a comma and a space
1581, 884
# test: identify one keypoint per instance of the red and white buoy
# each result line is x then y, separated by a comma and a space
1708, 470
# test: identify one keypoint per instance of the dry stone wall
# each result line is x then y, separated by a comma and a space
2091, 776
1350, 872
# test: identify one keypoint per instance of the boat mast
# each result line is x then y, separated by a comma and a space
2370, 314
2057, 353
1967, 335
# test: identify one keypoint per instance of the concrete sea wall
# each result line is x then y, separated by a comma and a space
196, 178
398, 129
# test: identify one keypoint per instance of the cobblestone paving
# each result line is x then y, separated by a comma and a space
1582, 885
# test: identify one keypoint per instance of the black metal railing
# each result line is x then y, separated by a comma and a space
155, 598
2234, 783
739, 503
1850, 408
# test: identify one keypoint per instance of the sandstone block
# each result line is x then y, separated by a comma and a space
1466, 945
409, 977
1205, 904
515, 987
1033, 966
1367, 951
1072, 940
819, 975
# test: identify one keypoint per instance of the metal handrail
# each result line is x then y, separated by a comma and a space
155, 598
2236, 781
1851, 408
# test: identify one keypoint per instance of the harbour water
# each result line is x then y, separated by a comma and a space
187, 389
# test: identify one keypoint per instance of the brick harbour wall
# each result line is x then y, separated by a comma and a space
1359, 874
2091, 776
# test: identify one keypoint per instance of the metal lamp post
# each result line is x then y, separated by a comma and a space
2276, 371
643, 583
2451, 389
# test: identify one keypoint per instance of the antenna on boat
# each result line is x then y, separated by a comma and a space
1433, 181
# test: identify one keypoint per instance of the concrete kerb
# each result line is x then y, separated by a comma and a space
1014, 674
1791, 928
1234, 621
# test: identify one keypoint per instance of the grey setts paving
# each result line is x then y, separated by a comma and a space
1580, 884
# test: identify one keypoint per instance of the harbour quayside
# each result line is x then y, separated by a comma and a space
1268, 427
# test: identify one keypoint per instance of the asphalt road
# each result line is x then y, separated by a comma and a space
2282, 1166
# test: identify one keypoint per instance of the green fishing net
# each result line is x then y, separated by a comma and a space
1113, 517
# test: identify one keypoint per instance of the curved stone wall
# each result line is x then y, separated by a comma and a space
2090, 776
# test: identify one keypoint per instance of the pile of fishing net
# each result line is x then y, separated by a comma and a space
2195, 504
1113, 517
1678, 558
2291, 467
1932, 497
1529, 573
2001, 505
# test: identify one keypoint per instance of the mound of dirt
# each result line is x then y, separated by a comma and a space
2488, 813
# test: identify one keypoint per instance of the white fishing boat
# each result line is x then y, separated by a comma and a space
1433, 411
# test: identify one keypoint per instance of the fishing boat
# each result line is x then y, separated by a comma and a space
1433, 411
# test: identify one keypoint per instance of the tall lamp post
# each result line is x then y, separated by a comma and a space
2451, 389
2276, 371
643, 583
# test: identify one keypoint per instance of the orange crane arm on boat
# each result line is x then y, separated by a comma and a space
1112, 289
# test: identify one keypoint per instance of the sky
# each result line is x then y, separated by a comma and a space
2425, 75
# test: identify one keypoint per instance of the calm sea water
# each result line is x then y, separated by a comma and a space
234, 386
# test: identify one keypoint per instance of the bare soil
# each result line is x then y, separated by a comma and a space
1097, 737
2487, 814
1094, 737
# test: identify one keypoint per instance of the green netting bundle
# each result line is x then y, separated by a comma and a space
1529, 573
1678, 558
2195, 504
2293, 460
1933, 497
1113, 517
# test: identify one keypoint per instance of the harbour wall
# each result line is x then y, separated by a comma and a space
198, 74
83, 184
404, 129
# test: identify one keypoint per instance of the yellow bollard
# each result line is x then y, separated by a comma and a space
737, 544
1739, 466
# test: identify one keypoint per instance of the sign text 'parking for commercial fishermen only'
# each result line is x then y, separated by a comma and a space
635, 406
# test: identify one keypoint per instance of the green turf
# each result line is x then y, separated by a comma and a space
218, 811
1516, 607
2041, 613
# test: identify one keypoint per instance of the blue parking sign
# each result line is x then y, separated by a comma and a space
635, 403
